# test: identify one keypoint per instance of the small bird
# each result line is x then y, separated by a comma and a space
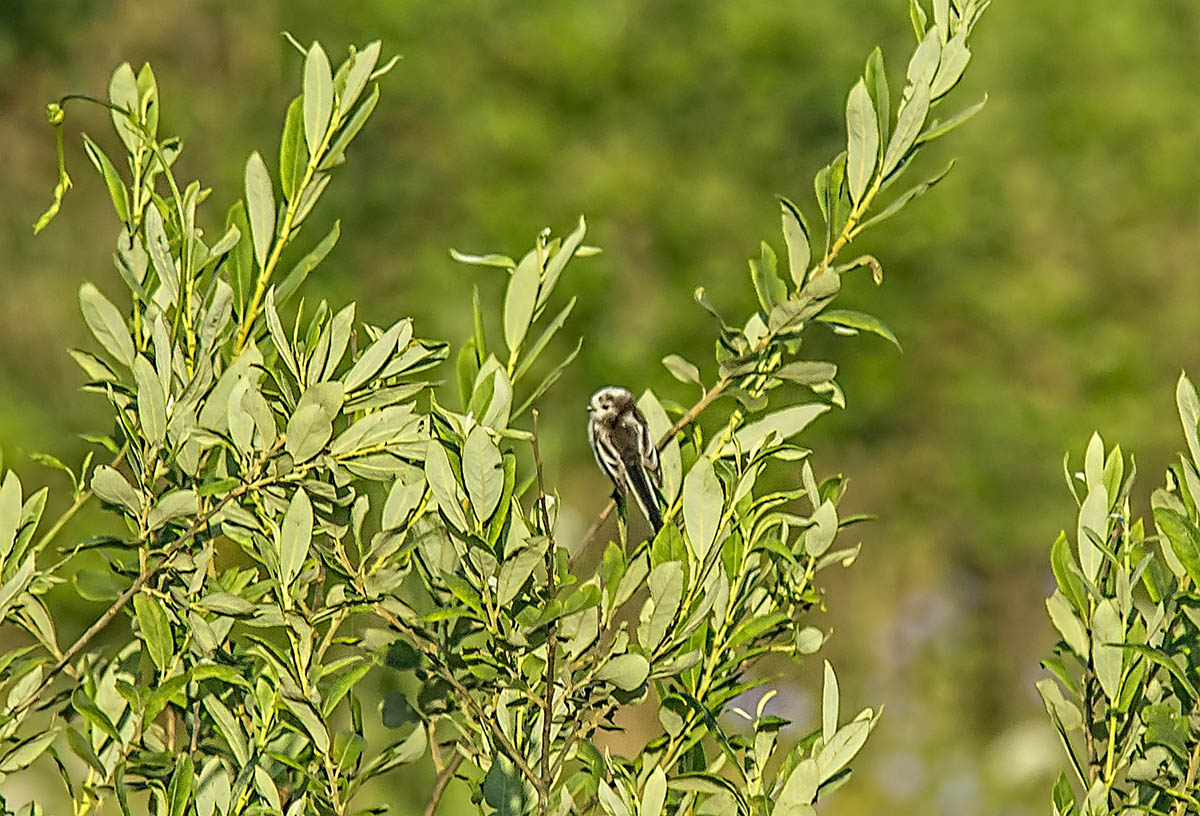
625, 449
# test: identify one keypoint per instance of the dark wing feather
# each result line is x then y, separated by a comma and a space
640, 459
649, 449
606, 455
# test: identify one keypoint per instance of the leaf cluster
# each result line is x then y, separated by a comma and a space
1124, 695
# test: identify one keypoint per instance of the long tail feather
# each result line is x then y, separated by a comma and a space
647, 498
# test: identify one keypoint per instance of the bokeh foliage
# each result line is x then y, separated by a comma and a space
1057, 298
242, 476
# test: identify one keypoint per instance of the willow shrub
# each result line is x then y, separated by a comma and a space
257, 591
1127, 608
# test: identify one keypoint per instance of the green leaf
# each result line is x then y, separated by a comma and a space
397, 711
151, 401
1068, 625
905, 197
544, 386
1062, 798
877, 84
1164, 660
777, 427
155, 630
1189, 416
159, 250
862, 141
307, 432
123, 93
858, 321
350, 129
111, 487
483, 473
318, 97
299, 273
97, 585
504, 789
819, 537
17, 583
229, 727
112, 180
953, 62
170, 506
703, 504
179, 791
443, 485
627, 672
226, 603
371, 361
806, 372
908, 127
293, 155
534, 351
829, 704
92, 712
1108, 635
26, 752
1071, 585
938, 128
514, 572
682, 370
767, 283
10, 513
260, 206
313, 724
795, 235
558, 262
295, 538
924, 61
799, 790
659, 611
809, 640
362, 64
654, 796
520, 300
106, 324
491, 259
842, 747
1058, 705
1093, 513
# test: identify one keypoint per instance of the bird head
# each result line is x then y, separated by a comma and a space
609, 401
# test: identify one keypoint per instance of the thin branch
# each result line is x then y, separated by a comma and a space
70, 512
439, 787
552, 629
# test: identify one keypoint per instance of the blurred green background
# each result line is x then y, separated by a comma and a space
1046, 288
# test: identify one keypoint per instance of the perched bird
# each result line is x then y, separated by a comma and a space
625, 449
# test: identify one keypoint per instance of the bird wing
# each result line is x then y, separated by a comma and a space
607, 456
648, 449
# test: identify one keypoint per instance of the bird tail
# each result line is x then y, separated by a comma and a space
643, 491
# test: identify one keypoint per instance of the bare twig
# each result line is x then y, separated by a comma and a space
439, 787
